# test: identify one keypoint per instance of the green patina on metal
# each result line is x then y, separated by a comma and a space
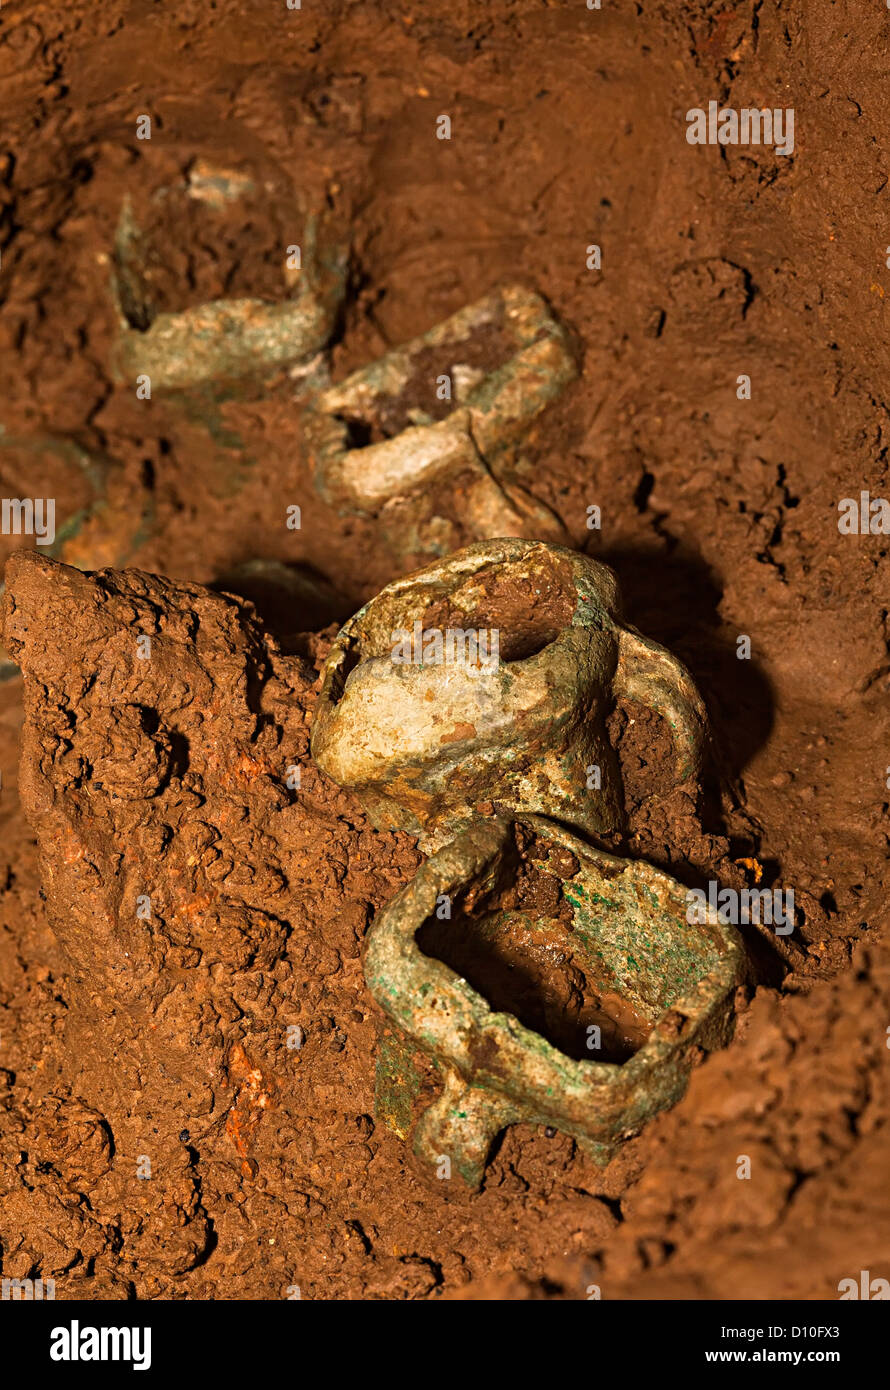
472, 455
497, 1071
432, 749
396, 1084
226, 338
422, 745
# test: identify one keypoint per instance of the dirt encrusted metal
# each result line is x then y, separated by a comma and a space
558, 985
657, 980
445, 414
485, 681
226, 338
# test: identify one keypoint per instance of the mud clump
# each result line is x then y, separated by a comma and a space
179, 872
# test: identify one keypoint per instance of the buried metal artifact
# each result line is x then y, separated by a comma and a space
484, 681
460, 704
659, 988
225, 338
448, 411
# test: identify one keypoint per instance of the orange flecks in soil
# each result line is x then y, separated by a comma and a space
753, 866
194, 906
255, 1095
73, 850
245, 769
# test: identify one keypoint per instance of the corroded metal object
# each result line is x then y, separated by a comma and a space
626, 934
484, 681
226, 338
447, 410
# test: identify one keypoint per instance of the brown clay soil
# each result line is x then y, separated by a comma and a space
120, 1174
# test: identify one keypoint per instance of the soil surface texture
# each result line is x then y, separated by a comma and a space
187, 1042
